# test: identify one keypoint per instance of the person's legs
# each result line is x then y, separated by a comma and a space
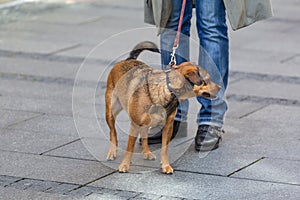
182, 53
213, 56
212, 30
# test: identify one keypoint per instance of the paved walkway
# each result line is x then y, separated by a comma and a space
42, 156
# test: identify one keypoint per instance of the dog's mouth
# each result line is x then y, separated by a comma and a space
208, 95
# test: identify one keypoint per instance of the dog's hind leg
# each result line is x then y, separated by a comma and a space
148, 155
113, 107
134, 131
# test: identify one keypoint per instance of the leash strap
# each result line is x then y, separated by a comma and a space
176, 41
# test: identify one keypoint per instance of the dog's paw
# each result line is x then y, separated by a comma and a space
149, 156
124, 167
167, 169
112, 154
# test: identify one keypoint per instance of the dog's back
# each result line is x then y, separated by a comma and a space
130, 66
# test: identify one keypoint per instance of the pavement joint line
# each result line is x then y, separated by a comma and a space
22, 121
95, 19
277, 158
21, 129
37, 112
242, 168
267, 100
64, 49
201, 173
241, 178
289, 58
86, 184
254, 111
59, 146
25, 111
266, 181
265, 77
67, 157
22, 152
72, 158
52, 80
50, 57
54, 156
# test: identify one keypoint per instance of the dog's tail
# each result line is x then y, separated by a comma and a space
146, 45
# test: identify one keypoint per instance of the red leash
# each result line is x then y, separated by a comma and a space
176, 41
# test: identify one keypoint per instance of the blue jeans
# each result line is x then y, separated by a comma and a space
213, 52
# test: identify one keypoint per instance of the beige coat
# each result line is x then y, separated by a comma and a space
241, 13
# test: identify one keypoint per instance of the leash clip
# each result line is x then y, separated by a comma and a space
173, 57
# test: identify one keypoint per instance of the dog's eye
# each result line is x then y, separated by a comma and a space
190, 73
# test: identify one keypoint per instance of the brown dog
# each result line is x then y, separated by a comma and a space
150, 97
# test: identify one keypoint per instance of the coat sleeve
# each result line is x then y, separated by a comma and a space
243, 13
148, 12
157, 12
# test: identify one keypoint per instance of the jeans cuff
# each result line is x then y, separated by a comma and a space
217, 123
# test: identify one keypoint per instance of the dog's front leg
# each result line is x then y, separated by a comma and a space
166, 137
125, 165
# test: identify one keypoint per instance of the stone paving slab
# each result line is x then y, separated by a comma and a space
272, 42
51, 168
33, 142
37, 67
89, 11
34, 89
36, 30
262, 138
198, 186
118, 42
276, 113
57, 106
33, 46
265, 89
11, 193
51, 124
263, 62
241, 109
218, 162
11, 117
73, 150
275, 170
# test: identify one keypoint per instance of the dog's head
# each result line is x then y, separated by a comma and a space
199, 79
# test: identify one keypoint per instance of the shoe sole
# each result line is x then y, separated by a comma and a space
204, 149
